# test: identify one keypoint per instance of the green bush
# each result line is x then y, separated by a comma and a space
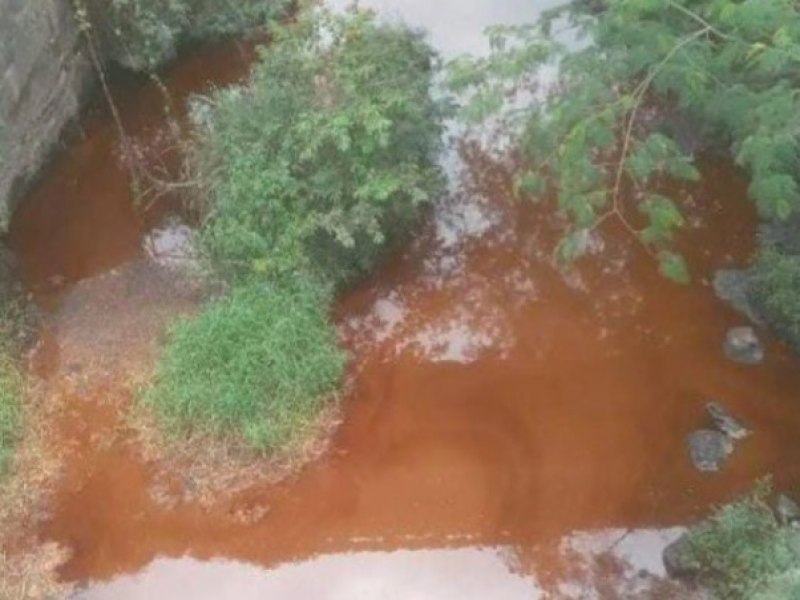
327, 153
306, 174
742, 550
256, 366
775, 290
783, 587
143, 34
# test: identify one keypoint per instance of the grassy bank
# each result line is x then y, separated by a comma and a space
743, 552
305, 177
253, 367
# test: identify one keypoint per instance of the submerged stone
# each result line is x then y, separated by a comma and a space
743, 346
725, 422
709, 449
678, 560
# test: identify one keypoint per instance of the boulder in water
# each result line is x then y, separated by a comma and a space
725, 422
709, 449
743, 346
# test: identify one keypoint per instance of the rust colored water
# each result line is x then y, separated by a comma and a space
80, 219
496, 401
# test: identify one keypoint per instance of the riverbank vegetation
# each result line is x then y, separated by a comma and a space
325, 157
776, 291
743, 552
302, 178
142, 35
253, 367
10, 411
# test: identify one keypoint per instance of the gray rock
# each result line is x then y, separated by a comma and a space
734, 286
788, 510
726, 422
45, 77
743, 346
709, 449
678, 560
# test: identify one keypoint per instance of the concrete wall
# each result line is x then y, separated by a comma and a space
44, 77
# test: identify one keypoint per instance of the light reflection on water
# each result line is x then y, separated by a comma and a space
464, 574
455, 27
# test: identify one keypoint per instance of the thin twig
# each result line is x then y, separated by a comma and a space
127, 148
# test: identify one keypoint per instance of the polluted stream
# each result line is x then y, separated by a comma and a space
511, 430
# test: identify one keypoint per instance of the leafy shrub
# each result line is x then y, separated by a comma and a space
783, 587
143, 34
743, 550
327, 153
256, 366
306, 173
775, 290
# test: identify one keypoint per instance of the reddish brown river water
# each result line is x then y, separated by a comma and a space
503, 415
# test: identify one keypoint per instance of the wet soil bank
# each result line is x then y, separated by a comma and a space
496, 402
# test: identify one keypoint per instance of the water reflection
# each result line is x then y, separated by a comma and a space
468, 573
456, 27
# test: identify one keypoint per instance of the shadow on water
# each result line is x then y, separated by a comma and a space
497, 402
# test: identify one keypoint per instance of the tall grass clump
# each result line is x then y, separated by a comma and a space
254, 367
744, 552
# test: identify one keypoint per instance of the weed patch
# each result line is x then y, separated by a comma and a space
743, 551
256, 366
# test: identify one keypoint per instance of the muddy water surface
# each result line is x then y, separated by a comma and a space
507, 421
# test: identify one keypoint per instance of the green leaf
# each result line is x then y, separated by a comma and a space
673, 267
664, 218
260, 266
682, 168
573, 245
531, 185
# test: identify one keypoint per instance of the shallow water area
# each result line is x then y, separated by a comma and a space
511, 428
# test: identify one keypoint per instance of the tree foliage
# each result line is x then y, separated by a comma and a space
326, 154
143, 34
599, 134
